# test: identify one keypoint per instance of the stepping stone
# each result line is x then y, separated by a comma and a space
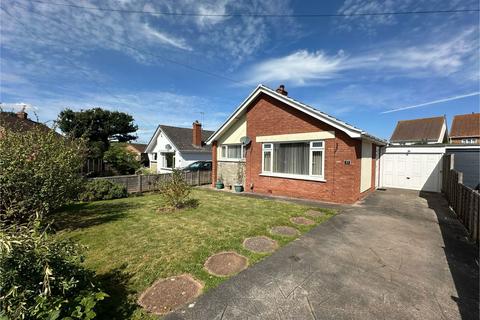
166, 295
225, 264
260, 244
284, 231
314, 213
302, 220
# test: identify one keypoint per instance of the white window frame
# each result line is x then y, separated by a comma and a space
269, 146
165, 162
469, 141
154, 156
225, 147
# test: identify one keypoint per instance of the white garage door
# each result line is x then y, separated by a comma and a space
412, 171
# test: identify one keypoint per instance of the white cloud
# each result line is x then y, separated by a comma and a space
372, 23
455, 56
167, 39
212, 9
298, 68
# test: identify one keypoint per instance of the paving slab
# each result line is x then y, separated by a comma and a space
396, 255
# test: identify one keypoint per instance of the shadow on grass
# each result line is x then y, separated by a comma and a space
120, 304
460, 254
84, 215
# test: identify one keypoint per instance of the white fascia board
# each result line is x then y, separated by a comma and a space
153, 140
234, 116
350, 131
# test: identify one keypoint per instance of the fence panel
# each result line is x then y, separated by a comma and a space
149, 182
463, 200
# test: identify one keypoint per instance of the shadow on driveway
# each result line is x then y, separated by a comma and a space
462, 256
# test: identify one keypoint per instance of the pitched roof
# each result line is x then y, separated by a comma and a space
182, 139
140, 147
466, 125
11, 121
349, 129
425, 129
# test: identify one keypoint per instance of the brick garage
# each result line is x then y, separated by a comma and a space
266, 115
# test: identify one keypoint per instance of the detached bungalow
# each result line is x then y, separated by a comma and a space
276, 145
174, 147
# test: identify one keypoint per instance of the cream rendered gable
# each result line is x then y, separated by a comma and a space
233, 134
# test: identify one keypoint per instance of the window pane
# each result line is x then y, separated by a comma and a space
267, 164
234, 151
224, 151
317, 144
317, 160
169, 160
291, 158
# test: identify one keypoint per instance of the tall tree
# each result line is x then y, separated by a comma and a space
98, 127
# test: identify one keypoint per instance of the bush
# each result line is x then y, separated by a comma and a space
39, 172
102, 189
121, 160
175, 191
42, 278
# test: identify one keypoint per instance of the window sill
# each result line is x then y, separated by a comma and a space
231, 160
292, 176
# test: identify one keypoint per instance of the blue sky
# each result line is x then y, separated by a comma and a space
354, 68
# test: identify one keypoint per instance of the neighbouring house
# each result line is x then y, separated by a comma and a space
465, 129
174, 147
139, 150
420, 131
273, 144
18, 122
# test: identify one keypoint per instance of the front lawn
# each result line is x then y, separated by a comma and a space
130, 244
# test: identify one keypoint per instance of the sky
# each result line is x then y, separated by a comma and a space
197, 63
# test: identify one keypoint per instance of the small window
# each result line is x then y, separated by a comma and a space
232, 151
154, 156
267, 158
169, 160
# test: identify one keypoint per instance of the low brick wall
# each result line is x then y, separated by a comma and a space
228, 171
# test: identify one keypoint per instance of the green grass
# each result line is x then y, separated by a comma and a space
130, 244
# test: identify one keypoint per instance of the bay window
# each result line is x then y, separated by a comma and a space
232, 151
294, 159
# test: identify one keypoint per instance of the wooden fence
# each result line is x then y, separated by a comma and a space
148, 182
464, 201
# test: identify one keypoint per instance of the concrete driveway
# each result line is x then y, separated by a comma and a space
397, 255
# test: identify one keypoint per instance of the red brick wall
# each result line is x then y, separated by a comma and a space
267, 116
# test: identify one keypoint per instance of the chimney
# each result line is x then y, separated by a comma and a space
197, 134
22, 114
281, 90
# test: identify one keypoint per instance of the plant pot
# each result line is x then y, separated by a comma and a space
219, 185
238, 188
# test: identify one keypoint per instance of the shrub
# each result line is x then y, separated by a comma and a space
102, 189
175, 191
39, 172
42, 277
120, 159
